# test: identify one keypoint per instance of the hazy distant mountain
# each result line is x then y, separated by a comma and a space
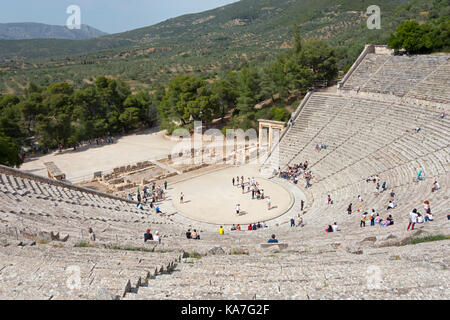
31, 30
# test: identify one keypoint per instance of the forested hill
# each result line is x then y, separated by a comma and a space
206, 43
250, 22
29, 30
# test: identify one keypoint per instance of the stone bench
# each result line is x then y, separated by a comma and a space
269, 245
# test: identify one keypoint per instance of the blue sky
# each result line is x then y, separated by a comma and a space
107, 15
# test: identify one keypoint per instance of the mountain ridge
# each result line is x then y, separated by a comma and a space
207, 43
35, 30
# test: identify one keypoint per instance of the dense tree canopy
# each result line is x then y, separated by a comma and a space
59, 114
421, 38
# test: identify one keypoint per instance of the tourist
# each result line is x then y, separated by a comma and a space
238, 208
385, 223
412, 219
254, 228
272, 239
92, 236
390, 220
349, 209
360, 198
329, 200
157, 237
157, 210
372, 217
392, 194
139, 206
238, 227
233, 181
165, 185
435, 186
335, 227
301, 204
195, 235
329, 229
188, 234
299, 221
419, 176
377, 189
148, 235
243, 187
428, 217
181, 197
419, 218
292, 222
426, 206
363, 220
308, 184
221, 231
392, 204
269, 203
233, 228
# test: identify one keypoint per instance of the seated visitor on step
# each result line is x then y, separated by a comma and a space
148, 235
272, 239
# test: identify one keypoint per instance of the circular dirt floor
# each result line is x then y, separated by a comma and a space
212, 198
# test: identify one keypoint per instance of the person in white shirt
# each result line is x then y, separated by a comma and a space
335, 227
419, 218
156, 237
238, 209
392, 204
269, 203
412, 219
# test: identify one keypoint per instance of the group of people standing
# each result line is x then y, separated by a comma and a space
294, 172
252, 186
150, 196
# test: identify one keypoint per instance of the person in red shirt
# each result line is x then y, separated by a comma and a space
249, 227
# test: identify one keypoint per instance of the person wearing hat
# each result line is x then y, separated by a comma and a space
157, 237
148, 235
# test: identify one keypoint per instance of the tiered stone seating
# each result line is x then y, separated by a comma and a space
423, 77
321, 268
364, 137
41, 205
435, 86
42, 272
34, 265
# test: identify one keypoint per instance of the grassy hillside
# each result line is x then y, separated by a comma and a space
207, 43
